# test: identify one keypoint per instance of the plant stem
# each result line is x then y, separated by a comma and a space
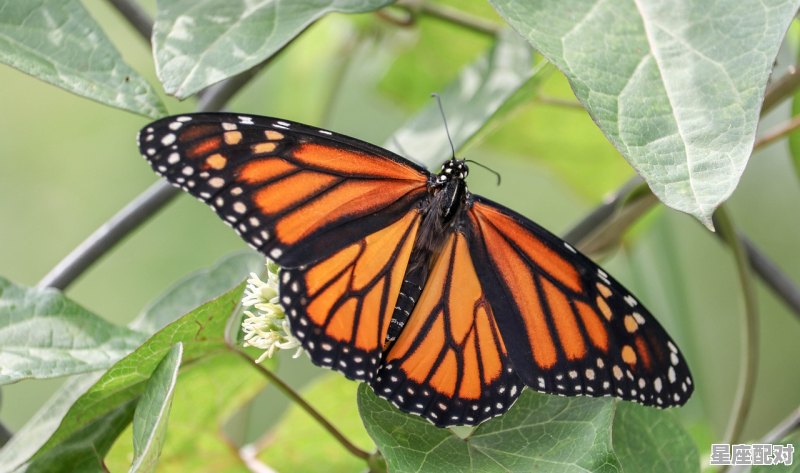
777, 133
779, 432
749, 329
153, 198
136, 16
612, 217
559, 102
780, 89
296, 398
784, 428
451, 15
771, 274
109, 234
5, 434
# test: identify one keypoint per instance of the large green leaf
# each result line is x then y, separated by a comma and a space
202, 334
84, 449
676, 86
470, 100
540, 433
651, 440
208, 394
200, 42
58, 42
152, 412
43, 335
177, 300
38, 429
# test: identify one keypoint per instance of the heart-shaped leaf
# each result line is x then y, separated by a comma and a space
652, 440
539, 433
675, 86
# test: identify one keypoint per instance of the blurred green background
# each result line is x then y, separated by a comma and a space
68, 164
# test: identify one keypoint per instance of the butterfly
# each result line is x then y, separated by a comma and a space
446, 303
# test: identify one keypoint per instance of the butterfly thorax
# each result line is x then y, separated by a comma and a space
450, 187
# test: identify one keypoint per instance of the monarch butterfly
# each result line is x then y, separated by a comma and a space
445, 302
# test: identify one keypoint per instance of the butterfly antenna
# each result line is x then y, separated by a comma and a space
444, 119
487, 168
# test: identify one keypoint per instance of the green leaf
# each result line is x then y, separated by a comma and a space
202, 334
208, 393
470, 101
84, 449
152, 412
675, 86
651, 440
198, 288
43, 335
180, 299
38, 429
334, 397
199, 43
58, 42
541, 433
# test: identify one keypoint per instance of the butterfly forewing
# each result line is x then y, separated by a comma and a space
293, 192
570, 328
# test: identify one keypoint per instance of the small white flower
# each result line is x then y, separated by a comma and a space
265, 325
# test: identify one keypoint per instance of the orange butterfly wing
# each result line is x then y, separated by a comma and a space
338, 214
293, 192
570, 328
449, 363
340, 307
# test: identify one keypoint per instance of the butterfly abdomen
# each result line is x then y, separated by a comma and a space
410, 291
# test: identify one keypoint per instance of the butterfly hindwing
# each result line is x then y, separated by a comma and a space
293, 192
449, 363
340, 307
569, 327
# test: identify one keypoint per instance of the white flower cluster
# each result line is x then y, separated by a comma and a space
265, 325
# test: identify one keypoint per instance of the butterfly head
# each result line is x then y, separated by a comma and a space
453, 169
